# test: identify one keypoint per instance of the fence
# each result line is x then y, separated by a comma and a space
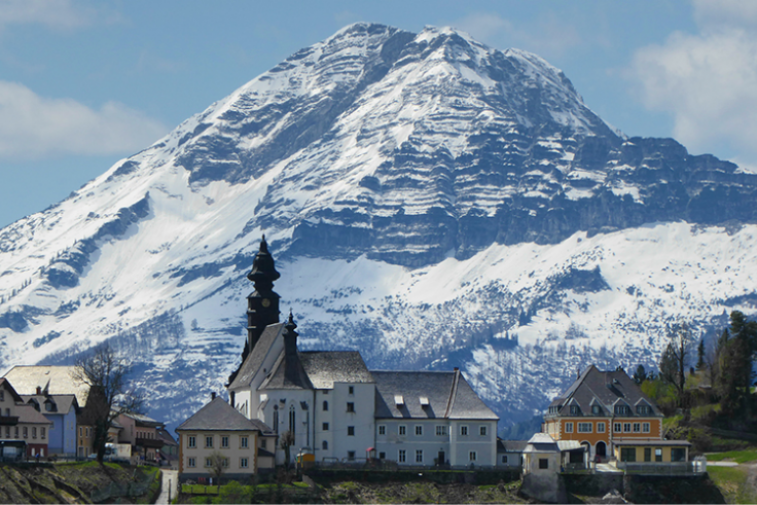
678, 468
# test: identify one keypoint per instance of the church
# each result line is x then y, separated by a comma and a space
338, 410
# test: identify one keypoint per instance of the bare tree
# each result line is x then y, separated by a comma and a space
286, 442
105, 372
675, 357
218, 464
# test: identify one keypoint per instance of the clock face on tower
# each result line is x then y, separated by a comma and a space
266, 302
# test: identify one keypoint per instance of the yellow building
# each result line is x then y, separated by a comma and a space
602, 409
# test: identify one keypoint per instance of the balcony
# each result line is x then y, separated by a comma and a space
8, 420
150, 443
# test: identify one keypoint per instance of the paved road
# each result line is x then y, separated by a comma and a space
170, 481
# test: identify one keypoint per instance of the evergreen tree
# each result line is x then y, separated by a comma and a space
640, 375
700, 355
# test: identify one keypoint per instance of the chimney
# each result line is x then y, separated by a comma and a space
39, 390
456, 369
213, 396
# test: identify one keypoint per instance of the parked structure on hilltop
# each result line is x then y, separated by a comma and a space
337, 410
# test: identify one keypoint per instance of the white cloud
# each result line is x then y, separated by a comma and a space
34, 127
707, 81
52, 13
548, 37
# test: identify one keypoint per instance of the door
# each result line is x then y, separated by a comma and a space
440, 458
601, 449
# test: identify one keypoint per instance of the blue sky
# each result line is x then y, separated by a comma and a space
85, 83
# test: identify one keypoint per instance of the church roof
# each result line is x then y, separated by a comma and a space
282, 378
427, 395
255, 359
605, 389
218, 415
324, 368
56, 379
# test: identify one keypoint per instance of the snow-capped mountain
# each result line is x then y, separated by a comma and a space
430, 201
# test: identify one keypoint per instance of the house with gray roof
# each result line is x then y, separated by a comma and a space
219, 431
338, 410
61, 410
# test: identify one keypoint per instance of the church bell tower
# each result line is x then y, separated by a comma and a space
263, 303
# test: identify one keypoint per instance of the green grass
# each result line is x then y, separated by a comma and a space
740, 457
732, 482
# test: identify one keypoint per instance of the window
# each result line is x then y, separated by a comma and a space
464, 431
325, 445
596, 410
584, 428
626, 427
658, 455
504, 459
34, 432
628, 454
382, 455
645, 427
643, 410
325, 406
419, 456
209, 442
191, 462
382, 430
677, 454
401, 456
616, 427
622, 410
600, 427
244, 441
543, 463
208, 462
264, 443
225, 442
2, 396
637, 427
292, 420
48, 407
482, 431
647, 454
351, 390
26, 432
472, 456
350, 431
350, 407
243, 462
418, 430
15, 432
81, 431
86, 431
225, 462
42, 433
574, 410
402, 430
325, 427
568, 427
441, 431
350, 455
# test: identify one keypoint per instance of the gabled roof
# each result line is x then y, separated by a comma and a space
324, 368
448, 393
218, 415
28, 414
255, 359
604, 388
57, 380
541, 442
6, 385
283, 378
63, 403
142, 420
511, 445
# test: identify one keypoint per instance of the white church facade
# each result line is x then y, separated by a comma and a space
338, 410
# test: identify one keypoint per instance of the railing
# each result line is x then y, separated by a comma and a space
8, 420
675, 468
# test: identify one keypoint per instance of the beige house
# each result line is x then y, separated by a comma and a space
23, 431
218, 430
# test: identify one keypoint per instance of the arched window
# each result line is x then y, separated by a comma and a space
325, 405
292, 419
325, 445
276, 418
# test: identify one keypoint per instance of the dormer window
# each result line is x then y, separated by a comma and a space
574, 410
643, 410
399, 400
622, 410
424, 401
596, 410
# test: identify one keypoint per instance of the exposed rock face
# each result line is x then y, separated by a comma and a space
376, 162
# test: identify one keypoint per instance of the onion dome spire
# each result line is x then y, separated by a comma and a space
263, 271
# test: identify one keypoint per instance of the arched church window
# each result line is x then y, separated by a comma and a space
276, 418
325, 445
291, 419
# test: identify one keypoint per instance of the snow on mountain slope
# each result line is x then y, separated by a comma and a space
431, 201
